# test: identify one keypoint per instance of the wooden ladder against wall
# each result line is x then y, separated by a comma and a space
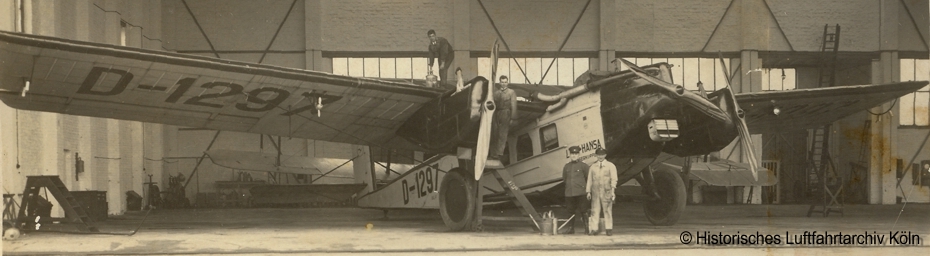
74, 213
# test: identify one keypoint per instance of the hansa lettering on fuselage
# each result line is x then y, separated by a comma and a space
587, 147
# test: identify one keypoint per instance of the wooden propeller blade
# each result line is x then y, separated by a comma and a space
745, 140
487, 113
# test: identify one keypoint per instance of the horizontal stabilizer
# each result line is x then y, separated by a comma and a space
728, 173
256, 161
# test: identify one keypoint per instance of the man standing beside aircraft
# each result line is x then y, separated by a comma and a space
575, 177
602, 181
440, 48
506, 101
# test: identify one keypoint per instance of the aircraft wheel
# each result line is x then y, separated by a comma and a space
457, 200
671, 189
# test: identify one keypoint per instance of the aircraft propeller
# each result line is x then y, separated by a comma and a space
737, 113
487, 113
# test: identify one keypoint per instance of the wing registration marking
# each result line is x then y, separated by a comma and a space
261, 99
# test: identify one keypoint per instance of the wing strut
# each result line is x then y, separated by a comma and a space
201, 158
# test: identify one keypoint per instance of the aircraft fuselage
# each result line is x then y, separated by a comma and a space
615, 116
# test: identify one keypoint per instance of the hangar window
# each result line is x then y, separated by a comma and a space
524, 146
404, 68
914, 106
563, 71
688, 71
549, 137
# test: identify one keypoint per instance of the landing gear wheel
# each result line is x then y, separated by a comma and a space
11, 234
457, 200
671, 189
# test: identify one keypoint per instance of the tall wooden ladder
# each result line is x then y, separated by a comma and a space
822, 176
828, 53
74, 213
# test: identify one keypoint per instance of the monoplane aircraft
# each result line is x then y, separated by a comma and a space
638, 115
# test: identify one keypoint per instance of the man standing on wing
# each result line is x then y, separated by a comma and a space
439, 48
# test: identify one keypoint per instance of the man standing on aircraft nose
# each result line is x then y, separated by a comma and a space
506, 101
602, 182
440, 48
575, 177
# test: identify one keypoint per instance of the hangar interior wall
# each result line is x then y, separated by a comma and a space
118, 155
743, 29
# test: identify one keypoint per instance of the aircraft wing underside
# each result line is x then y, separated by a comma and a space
100, 80
811, 108
257, 161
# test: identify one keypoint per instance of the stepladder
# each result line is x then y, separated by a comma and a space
33, 206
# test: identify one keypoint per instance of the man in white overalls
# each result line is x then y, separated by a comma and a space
602, 181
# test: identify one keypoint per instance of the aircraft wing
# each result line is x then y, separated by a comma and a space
811, 108
100, 80
257, 161
729, 173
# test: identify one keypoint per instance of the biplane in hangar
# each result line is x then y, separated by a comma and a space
638, 115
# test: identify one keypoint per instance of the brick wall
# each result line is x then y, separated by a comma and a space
668, 26
663, 26
536, 25
803, 23
237, 26
359, 25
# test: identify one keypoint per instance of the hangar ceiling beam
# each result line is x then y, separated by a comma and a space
777, 25
289, 10
204, 36
712, 33
914, 22
526, 78
583, 9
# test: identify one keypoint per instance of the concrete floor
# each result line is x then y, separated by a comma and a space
343, 230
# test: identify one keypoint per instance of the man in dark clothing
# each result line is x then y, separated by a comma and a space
575, 177
506, 101
440, 48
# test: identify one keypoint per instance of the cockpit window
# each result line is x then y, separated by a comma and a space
549, 137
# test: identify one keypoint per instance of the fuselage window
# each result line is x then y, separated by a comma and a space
524, 147
549, 137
